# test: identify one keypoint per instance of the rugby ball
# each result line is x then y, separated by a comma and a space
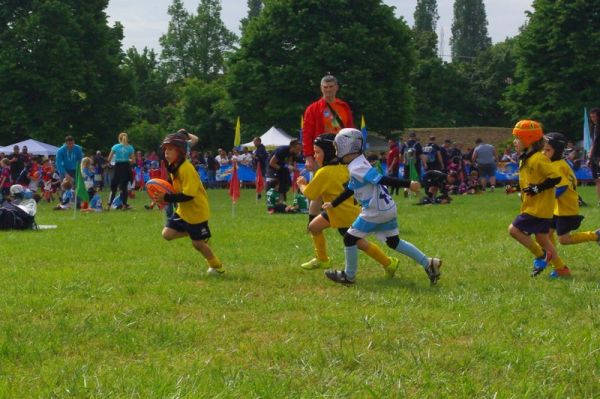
155, 186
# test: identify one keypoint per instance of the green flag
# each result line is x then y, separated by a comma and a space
80, 191
412, 170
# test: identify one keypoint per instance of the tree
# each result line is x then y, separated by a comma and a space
254, 9
59, 72
196, 45
469, 30
211, 41
150, 90
175, 43
204, 108
288, 48
557, 73
426, 17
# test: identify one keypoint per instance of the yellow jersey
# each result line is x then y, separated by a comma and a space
328, 182
186, 180
535, 169
567, 204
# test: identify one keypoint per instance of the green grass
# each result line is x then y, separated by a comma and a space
103, 307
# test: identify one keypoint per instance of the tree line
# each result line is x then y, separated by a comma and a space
63, 69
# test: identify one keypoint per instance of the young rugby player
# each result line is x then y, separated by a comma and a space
190, 218
536, 177
327, 184
566, 211
378, 211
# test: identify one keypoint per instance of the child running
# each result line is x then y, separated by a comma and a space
328, 183
378, 211
566, 211
536, 177
191, 214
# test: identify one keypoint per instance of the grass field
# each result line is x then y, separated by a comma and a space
102, 307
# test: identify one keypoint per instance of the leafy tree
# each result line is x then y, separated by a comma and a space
175, 43
557, 73
211, 40
150, 91
490, 74
288, 48
469, 30
426, 17
196, 45
205, 109
59, 71
254, 9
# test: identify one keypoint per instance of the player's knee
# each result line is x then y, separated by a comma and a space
167, 235
392, 242
512, 230
564, 239
350, 240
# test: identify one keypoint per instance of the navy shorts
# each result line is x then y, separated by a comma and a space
566, 224
532, 225
341, 230
197, 232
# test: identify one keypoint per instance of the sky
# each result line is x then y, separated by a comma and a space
145, 21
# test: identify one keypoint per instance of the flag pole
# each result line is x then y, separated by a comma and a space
75, 189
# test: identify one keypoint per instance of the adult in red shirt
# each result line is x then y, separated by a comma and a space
326, 115
393, 163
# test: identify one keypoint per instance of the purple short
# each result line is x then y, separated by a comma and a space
566, 224
532, 225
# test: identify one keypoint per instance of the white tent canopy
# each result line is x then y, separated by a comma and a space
34, 147
273, 137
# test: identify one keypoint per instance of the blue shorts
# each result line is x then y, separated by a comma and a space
566, 224
197, 232
532, 225
487, 171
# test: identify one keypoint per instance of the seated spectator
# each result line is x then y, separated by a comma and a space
68, 195
436, 182
572, 155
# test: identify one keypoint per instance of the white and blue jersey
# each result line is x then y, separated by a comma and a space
378, 209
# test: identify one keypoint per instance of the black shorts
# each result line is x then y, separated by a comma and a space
341, 230
566, 224
532, 225
197, 232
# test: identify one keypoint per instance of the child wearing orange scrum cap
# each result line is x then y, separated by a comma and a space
537, 178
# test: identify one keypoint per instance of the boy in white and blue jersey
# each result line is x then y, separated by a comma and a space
378, 210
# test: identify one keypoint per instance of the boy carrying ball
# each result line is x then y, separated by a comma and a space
190, 218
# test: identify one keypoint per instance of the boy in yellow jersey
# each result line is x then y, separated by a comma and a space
537, 177
190, 218
327, 184
566, 211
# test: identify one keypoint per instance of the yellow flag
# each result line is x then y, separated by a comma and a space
238, 139
301, 121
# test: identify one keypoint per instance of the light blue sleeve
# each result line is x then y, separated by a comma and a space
373, 176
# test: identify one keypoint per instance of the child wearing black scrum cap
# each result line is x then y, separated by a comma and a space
328, 182
190, 218
566, 210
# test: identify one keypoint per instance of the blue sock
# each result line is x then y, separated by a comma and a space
408, 249
351, 261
